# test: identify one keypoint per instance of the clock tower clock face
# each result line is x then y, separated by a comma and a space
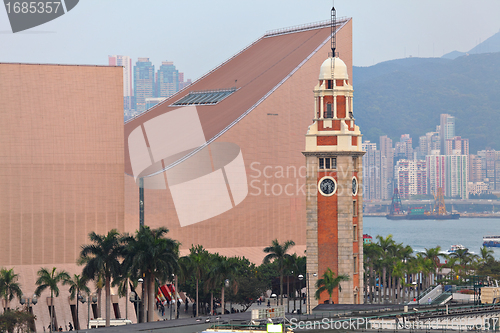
327, 186
354, 186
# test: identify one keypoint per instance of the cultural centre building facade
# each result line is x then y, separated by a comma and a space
220, 163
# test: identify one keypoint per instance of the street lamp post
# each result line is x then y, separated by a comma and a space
288, 292
171, 305
134, 298
142, 305
301, 277
80, 299
90, 299
175, 294
27, 301
226, 286
308, 296
414, 283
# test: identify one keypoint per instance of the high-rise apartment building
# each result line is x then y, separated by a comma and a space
457, 146
488, 158
429, 144
490, 168
449, 172
128, 91
475, 169
404, 148
497, 175
457, 176
447, 131
167, 80
411, 178
182, 83
144, 79
387, 165
372, 171
423, 147
436, 172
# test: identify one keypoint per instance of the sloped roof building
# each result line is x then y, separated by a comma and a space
221, 161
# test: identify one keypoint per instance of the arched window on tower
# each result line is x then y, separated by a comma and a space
329, 111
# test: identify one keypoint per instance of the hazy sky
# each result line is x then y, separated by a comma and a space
200, 34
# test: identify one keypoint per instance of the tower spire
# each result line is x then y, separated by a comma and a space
333, 28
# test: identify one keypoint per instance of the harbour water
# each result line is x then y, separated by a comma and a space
424, 234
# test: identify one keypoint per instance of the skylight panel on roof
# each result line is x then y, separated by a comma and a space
204, 97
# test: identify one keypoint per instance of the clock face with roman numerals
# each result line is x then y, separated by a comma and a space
354, 186
327, 186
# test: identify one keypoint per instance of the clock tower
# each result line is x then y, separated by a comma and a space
334, 196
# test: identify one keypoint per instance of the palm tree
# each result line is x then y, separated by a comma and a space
398, 272
463, 256
77, 284
198, 258
371, 255
405, 254
278, 252
486, 254
102, 259
9, 287
433, 255
228, 271
152, 255
50, 279
394, 258
214, 276
328, 282
99, 285
386, 247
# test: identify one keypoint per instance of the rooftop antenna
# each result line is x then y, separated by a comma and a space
333, 28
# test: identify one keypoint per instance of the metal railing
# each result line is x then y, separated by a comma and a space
304, 27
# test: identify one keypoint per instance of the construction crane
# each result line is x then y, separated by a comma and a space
439, 206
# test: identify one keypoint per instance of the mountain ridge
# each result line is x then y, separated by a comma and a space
407, 96
490, 45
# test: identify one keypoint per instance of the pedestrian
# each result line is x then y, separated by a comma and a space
178, 308
429, 300
60, 328
268, 303
70, 326
187, 305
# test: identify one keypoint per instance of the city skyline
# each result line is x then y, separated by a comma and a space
441, 159
217, 31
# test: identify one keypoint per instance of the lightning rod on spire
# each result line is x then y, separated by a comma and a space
333, 27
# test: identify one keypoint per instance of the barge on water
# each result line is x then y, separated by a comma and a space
419, 213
